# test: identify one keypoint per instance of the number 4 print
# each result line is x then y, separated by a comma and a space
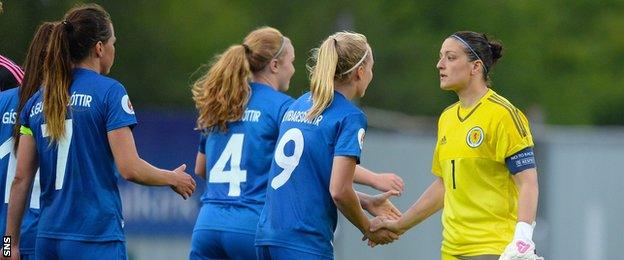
232, 153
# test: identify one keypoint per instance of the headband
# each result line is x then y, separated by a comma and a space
471, 50
357, 64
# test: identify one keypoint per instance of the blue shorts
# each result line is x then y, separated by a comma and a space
214, 244
29, 256
279, 253
50, 248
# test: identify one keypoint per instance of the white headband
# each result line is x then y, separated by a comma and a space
279, 51
357, 64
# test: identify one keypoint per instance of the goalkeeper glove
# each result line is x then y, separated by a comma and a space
522, 246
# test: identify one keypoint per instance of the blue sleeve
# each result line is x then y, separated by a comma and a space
119, 111
202, 142
24, 116
283, 109
351, 136
520, 161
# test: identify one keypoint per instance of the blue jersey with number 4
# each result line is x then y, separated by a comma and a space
8, 105
80, 199
238, 161
299, 212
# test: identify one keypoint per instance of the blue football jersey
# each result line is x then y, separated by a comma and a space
238, 161
299, 212
8, 164
79, 195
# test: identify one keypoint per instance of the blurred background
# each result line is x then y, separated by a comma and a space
562, 65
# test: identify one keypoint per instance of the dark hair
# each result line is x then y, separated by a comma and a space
33, 68
488, 51
70, 43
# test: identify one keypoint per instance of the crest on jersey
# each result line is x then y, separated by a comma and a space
126, 105
475, 137
361, 134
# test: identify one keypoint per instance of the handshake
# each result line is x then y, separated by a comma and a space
383, 228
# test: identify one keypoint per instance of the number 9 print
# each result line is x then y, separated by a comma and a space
288, 163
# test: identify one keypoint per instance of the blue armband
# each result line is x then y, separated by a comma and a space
520, 161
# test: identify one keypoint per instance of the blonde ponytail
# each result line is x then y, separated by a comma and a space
322, 77
335, 61
221, 95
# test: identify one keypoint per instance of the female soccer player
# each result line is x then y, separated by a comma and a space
77, 129
240, 109
320, 142
240, 106
486, 173
11, 103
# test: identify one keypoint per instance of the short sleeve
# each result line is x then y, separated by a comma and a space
119, 111
436, 168
283, 109
24, 116
202, 142
512, 135
351, 135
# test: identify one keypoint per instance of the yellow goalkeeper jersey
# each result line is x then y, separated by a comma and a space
481, 198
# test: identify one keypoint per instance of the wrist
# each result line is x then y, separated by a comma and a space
523, 231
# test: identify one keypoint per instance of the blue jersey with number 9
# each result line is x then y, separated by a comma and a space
299, 212
80, 199
238, 161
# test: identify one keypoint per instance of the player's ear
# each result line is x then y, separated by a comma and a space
475, 67
359, 74
98, 49
273, 65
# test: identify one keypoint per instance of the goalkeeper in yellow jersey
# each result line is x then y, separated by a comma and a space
486, 173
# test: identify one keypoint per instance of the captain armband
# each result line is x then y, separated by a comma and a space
25, 131
520, 161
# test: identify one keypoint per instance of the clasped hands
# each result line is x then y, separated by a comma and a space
382, 229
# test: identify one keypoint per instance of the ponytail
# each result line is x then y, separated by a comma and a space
221, 95
322, 77
57, 79
33, 76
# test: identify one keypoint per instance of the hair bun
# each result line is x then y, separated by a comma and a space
497, 50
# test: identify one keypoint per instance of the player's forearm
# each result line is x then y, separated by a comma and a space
430, 202
141, 172
528, 194
17, 203
364, 176
347, 202
364, 199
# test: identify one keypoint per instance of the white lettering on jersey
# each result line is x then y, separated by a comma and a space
36, 109
80, 100
9, 117
301, 117
251, 116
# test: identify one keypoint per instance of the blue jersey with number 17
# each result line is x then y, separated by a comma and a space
79, 195
299, 212
8, 105
238, 162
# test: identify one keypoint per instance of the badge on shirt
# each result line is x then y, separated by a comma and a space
361, 134
126, 105
475, 137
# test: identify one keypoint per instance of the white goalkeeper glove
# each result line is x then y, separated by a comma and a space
522, 246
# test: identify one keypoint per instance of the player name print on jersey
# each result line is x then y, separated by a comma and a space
298, 116
251, 115
9, 117
475, 137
